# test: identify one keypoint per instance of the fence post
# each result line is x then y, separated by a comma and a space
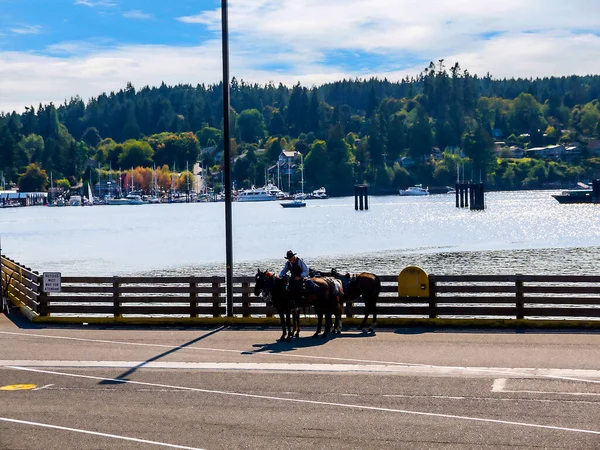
216, 299
349, 309
519, 298
245, 299
116, 298
42, 298
432, 298
193, 300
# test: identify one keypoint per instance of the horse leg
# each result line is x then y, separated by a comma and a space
338, 316
364, 321
282, 319
327, 325
373, 309
319, 323
296, 323
289, 325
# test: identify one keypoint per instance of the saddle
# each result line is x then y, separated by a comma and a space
335, 285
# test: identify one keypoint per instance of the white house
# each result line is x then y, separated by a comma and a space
552, 151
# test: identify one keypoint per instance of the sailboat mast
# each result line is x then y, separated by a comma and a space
302, 174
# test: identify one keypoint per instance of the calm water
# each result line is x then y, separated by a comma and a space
519, 232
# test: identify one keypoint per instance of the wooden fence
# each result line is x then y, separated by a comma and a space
450, 296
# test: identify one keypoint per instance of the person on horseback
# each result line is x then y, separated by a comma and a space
298, 271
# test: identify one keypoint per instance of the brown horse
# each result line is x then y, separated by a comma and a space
366, 285
287, 302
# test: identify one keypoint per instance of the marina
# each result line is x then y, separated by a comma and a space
518, 232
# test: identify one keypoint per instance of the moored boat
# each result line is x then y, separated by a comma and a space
575, 196
131, 199
414, 191
255, 195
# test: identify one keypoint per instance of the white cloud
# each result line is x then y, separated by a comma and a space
27, 29
96, 3
511, 38
136, 14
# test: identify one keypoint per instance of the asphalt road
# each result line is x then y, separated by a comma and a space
125, 388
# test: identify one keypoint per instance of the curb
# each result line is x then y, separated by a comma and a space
311, 321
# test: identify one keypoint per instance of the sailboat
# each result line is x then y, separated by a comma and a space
90, 200
298, 201
90, 195
155, 199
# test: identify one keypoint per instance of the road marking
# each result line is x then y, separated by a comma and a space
529, 372
313, 402
95, 433
303, 367
500, 386
18, 387
43, 387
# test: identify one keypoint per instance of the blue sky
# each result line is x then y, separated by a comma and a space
51, 50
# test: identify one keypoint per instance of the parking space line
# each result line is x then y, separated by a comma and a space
312, 402
500, 386
96, 433
539, 373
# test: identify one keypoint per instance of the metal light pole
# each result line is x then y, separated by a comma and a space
227, 160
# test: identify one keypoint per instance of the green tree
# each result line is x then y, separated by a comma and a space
34, 179
317, 166
251, 125
420, 136
479, 146
91, 137
209, 136
136, 154
525, 114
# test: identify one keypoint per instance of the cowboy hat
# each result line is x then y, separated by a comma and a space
290, 254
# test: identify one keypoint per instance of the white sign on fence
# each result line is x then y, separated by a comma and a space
51, 281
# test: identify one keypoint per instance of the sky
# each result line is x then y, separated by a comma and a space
52, 50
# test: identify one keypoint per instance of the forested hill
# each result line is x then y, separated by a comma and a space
335, 126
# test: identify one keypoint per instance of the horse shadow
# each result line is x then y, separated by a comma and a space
303, 342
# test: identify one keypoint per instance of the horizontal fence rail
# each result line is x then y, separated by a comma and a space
450, 296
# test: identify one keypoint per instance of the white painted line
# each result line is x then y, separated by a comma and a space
95, 433
312, 367
481, 371
500, 386
314, 402
43, 387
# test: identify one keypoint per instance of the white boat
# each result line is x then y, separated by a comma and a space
255, 195
320, 193
274, 190
75, 200
131, 199
414, 191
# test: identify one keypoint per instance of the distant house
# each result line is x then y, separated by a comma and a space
285, 165
572, 152
516, 152
550, 152
499, 147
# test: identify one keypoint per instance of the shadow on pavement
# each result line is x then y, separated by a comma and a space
123, 377
304, 342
